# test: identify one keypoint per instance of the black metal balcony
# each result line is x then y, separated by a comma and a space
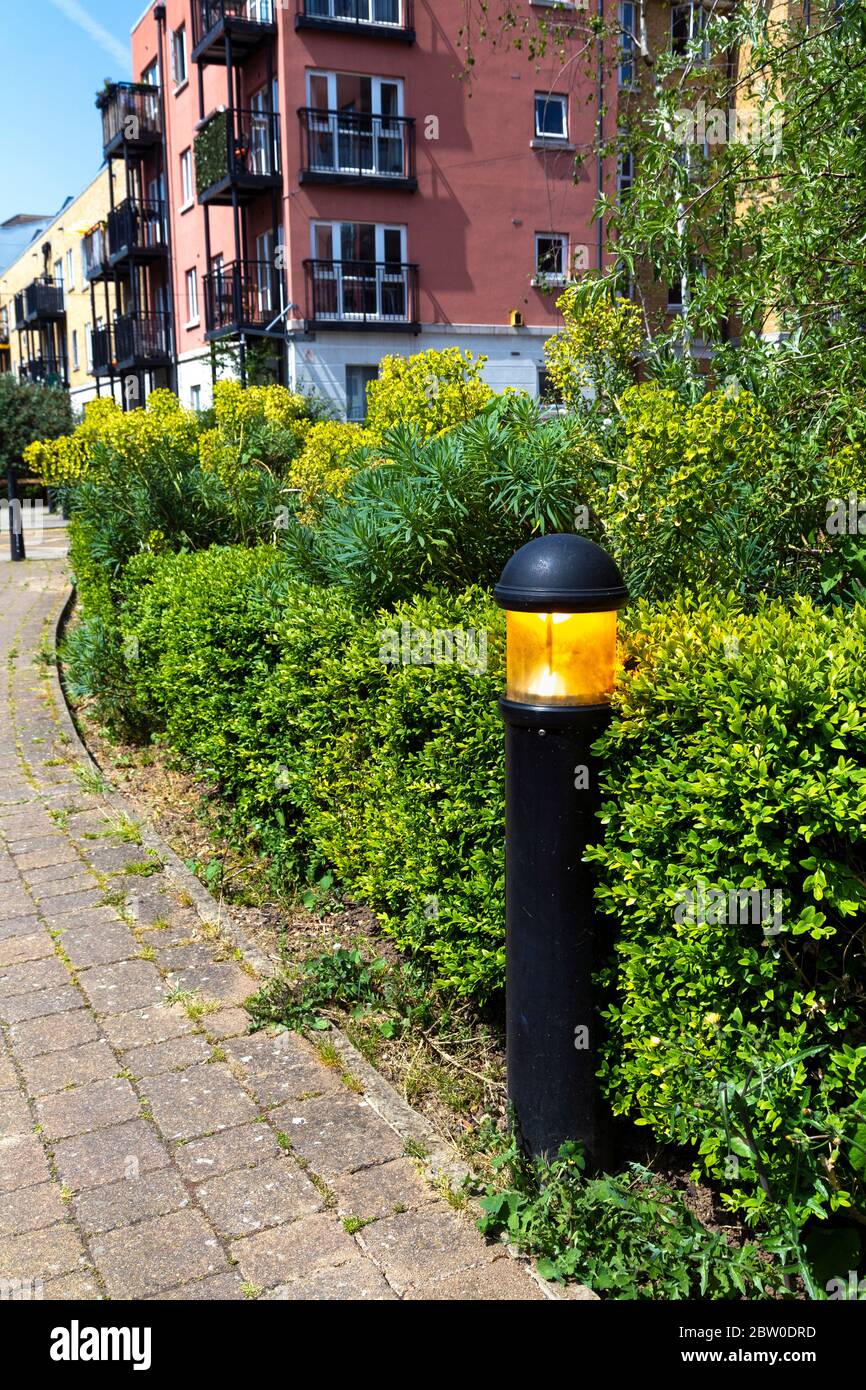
100, 351
244, 296
239, 26
131, 117
142, 341
43, 302
238, 151
45, 371
344, 147
95, 254
374, 19
137, 231
362, 295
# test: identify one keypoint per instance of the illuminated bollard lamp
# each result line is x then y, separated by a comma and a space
561, 594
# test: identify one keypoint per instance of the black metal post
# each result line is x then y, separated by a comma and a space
16, 521
553, 939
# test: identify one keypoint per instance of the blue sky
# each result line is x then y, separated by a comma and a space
55, 56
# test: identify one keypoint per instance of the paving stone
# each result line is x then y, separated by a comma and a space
195, 969
337, 1134
201, 1100
30, 1209
230, 1149
281, 1067
39, 1254
254, 1198
420, 1246
385, 1190
39, 1004
53, 879
32, 975
15, 1117
217, 1288
56, 1033
8, 1078
54, 1071
30, 844
140, 1260
174, 1055
35, 946
227, 1023
23, 924
356, 1281
109, 1155
16, 903
72, 1288
298, 1250
60, 853
87, 1108
139, 1027
505, 1280
133, 1199
104, 944
115, 989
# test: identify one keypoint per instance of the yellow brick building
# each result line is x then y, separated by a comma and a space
58, 297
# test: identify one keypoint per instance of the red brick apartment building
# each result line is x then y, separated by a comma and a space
316, 182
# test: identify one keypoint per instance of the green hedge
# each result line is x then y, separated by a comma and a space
276, 692
739, 761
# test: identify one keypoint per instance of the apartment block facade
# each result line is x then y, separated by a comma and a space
51, 312
304, 187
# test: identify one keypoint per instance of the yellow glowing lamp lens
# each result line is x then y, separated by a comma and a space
561, 658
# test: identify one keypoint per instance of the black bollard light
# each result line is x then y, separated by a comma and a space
561, 594
16, 520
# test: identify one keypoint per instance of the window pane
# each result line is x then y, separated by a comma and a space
550, 116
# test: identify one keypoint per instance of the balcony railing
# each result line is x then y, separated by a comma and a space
130, 116
372, 294
43, 300
374, 18
248, 22
100, 351
244, 294
136, 229
240, 150
95, 253
44, 370
344, 147
141, 340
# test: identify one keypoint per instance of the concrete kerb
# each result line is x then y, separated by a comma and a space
440, 1163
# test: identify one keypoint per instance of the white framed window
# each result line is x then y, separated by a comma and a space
358, 379
624, 172
551, 116
195, 398
192, 297
178, 56
88, 343
75, 349
627, 21
354, 125
688, 23
187, 178
58, 272
367, 11
551, 256
70, 270
360, 271
150, 76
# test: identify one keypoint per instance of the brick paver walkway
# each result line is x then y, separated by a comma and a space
149, 1147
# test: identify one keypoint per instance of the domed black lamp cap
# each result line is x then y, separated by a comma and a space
561, 574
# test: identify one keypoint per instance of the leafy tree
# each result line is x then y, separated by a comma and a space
29, 412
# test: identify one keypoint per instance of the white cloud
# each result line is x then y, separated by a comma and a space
78, 14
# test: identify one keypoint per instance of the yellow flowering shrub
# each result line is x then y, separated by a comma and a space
322, 468
433, 390
238, 409
132, 436
597, 348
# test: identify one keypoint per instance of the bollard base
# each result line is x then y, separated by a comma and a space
554, 944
